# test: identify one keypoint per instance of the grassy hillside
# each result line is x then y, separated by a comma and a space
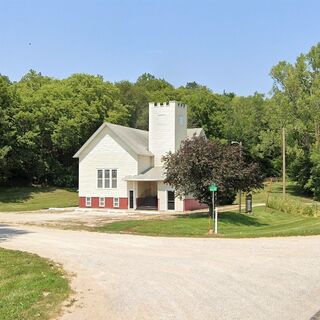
36, 198
293, 192
30, 287
263, 223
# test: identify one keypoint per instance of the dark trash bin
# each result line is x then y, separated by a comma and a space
249, 203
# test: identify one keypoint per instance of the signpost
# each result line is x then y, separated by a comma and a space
213, 188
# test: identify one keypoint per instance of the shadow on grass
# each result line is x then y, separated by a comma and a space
230, 218
7, 232
21, 194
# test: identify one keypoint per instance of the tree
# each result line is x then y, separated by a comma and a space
295, 105
201, 162
205, 108
246, 121
8, 101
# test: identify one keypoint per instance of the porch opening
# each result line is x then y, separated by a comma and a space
147, 198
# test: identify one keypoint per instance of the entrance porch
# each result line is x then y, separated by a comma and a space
147, 195
147, 191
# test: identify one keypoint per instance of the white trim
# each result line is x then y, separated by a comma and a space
109, 126
110, 178
88, 201
103, 204
90, 139
98, 178
114, 202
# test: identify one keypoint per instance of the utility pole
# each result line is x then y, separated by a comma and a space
240, 153
283, 163
240, 191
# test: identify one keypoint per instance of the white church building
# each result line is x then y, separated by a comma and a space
120, 167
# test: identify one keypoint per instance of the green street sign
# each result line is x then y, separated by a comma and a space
213, 188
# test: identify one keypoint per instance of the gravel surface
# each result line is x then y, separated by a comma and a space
139, 277
74, 217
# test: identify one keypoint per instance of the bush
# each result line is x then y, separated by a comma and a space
293, 207
225, 198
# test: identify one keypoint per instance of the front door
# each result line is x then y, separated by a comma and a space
131, 199
170, 199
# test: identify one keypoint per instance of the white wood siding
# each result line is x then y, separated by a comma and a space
106, 151
165, 129
180, 125
144, 163
162, 196
161, 130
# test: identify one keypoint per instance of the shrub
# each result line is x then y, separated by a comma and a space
293, 207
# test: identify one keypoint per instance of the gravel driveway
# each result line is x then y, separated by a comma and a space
137, 277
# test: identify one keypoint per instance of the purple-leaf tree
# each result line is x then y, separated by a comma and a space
201, 162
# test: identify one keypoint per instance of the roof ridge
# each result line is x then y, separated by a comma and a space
119, 125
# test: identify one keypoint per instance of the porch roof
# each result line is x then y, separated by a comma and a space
152, 174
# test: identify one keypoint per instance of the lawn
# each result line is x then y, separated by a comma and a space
293, 192
30, 287
263, 223
36, 198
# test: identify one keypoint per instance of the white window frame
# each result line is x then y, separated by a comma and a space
114, 202
114, 179
102, 179
88, 201
109, 179
102, 203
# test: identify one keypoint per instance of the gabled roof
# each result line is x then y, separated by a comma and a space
151, 174
135, 139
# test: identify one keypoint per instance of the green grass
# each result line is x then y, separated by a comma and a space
263, 223
36, 198
293, 192
30, 287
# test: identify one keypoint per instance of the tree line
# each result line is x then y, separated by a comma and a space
44, 121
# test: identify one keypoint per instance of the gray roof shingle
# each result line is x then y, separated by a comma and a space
137, 140
152, 174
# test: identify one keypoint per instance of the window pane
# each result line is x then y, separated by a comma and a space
99, 177
107, 178
114, 178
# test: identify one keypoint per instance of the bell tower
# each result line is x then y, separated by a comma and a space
167, 128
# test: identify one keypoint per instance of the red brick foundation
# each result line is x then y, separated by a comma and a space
123, 203
193, 204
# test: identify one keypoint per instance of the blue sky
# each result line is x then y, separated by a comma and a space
226, 45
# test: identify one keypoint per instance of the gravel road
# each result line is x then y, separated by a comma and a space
138, 277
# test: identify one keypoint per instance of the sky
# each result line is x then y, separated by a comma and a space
225, 45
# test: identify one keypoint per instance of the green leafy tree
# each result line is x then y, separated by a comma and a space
296, 106
205, 109
8, 101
